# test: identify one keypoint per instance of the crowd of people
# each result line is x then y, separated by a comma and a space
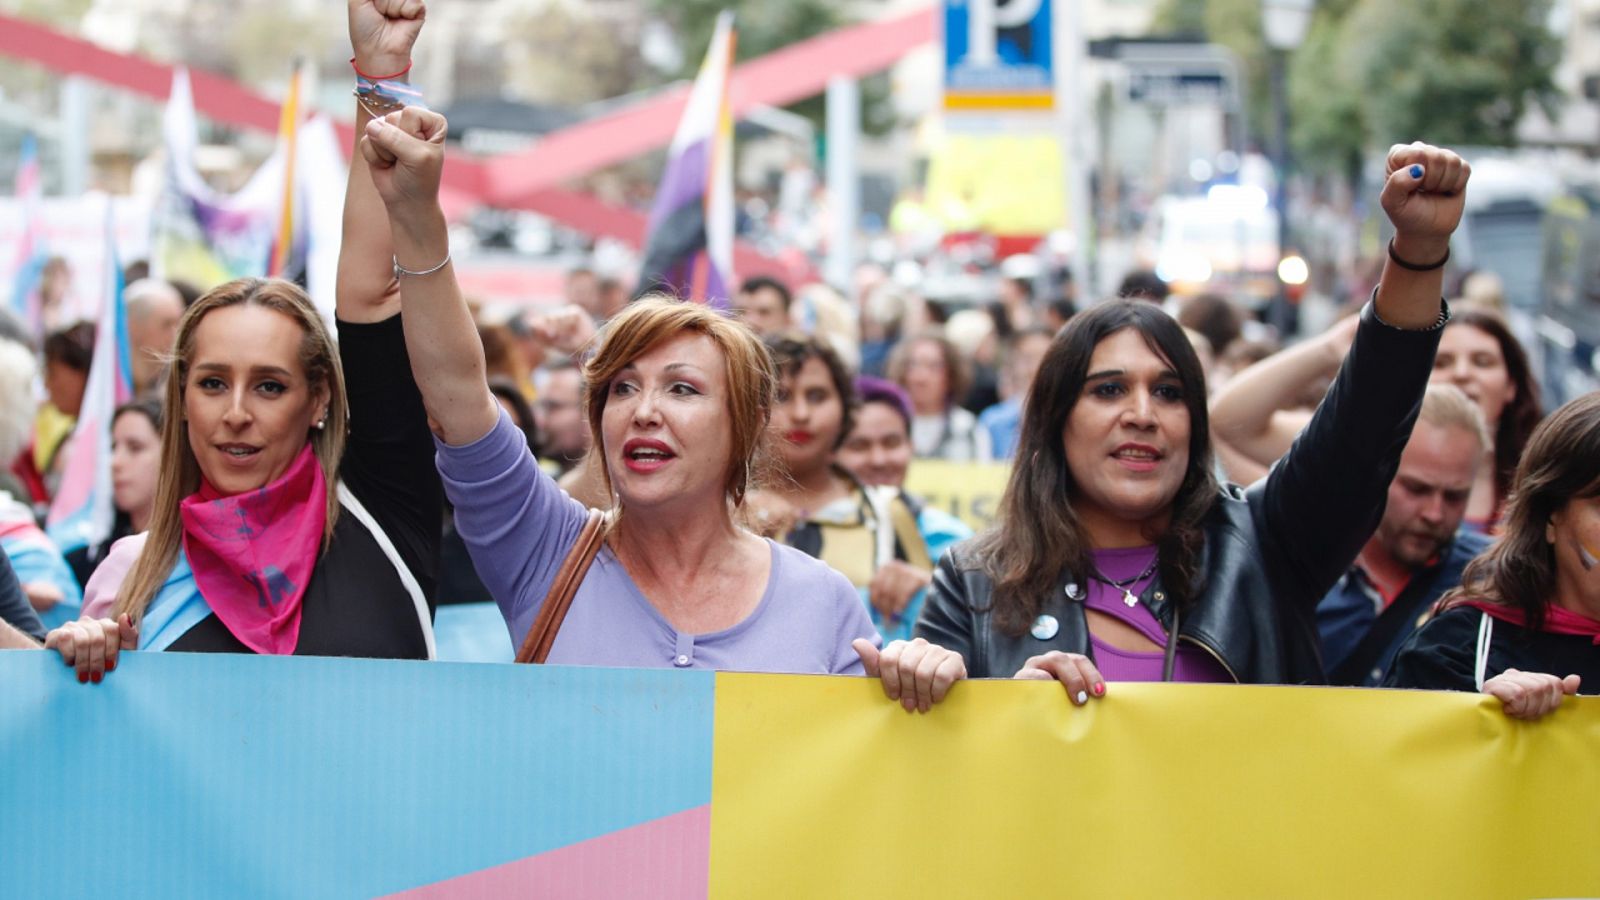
655, 482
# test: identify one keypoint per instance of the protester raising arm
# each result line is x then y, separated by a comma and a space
1117, 557
1338, 472
319, 453
679, 397
382, 33
1254, 416
404, 152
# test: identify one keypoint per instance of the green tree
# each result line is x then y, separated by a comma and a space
1459, 72
1327, 134
1452, 72
1374, 72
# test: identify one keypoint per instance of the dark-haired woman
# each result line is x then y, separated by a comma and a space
1525, 624
1479, 354
1116, 554
135, 467
869, 533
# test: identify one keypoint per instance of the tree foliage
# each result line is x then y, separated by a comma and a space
1459, 72
1375, 72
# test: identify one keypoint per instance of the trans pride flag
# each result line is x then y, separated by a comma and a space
690, 247
31, 254
81, 514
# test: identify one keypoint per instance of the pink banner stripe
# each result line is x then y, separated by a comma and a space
666, 858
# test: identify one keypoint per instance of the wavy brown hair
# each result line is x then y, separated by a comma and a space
752, 378
180, 472
1037, 534
1562, 463
1521, 416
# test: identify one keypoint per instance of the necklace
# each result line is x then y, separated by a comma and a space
1127, 595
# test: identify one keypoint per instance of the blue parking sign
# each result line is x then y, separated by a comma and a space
998, 55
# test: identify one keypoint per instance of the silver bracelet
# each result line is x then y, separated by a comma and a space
401, 270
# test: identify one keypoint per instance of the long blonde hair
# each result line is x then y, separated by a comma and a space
180, 471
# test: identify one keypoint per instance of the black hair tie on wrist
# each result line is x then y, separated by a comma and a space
1413, 267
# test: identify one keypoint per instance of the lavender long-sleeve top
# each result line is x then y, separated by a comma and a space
519, 526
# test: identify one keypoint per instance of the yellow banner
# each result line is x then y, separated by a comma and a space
969, 491
822, 789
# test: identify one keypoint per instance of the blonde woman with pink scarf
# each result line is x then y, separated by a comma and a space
298, 508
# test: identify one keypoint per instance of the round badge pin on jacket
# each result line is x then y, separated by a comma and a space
1045, 627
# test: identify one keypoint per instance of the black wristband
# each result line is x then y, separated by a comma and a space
1413, 267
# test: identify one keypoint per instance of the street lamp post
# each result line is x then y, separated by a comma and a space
1284, 23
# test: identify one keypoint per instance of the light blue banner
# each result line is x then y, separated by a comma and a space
196, 775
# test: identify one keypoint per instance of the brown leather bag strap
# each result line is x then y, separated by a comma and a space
536, 646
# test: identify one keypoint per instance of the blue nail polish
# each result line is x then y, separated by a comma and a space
1416, 171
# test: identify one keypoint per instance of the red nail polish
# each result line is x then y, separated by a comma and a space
83, 677
96, 677
1099, 689
111, 665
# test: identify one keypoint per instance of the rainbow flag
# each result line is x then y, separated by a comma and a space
690, 245
81, 513
200, 235
31, 253
288, 246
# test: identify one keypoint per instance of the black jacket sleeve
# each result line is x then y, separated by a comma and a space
1441, 655
14, 605
388, 458
946, 617
1323, 500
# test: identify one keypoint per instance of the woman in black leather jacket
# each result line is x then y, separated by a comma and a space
1113, 536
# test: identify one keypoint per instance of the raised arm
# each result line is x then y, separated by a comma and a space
1326, 496
1423, 198
405, 154
1253, 414
382, 33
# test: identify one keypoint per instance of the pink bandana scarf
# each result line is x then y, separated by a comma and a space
252, 553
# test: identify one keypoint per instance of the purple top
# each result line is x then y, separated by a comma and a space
519, 526
1193, 664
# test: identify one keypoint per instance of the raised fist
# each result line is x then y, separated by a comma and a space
382, 32
405, 153
1423, 197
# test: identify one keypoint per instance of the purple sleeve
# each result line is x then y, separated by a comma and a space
517, 524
